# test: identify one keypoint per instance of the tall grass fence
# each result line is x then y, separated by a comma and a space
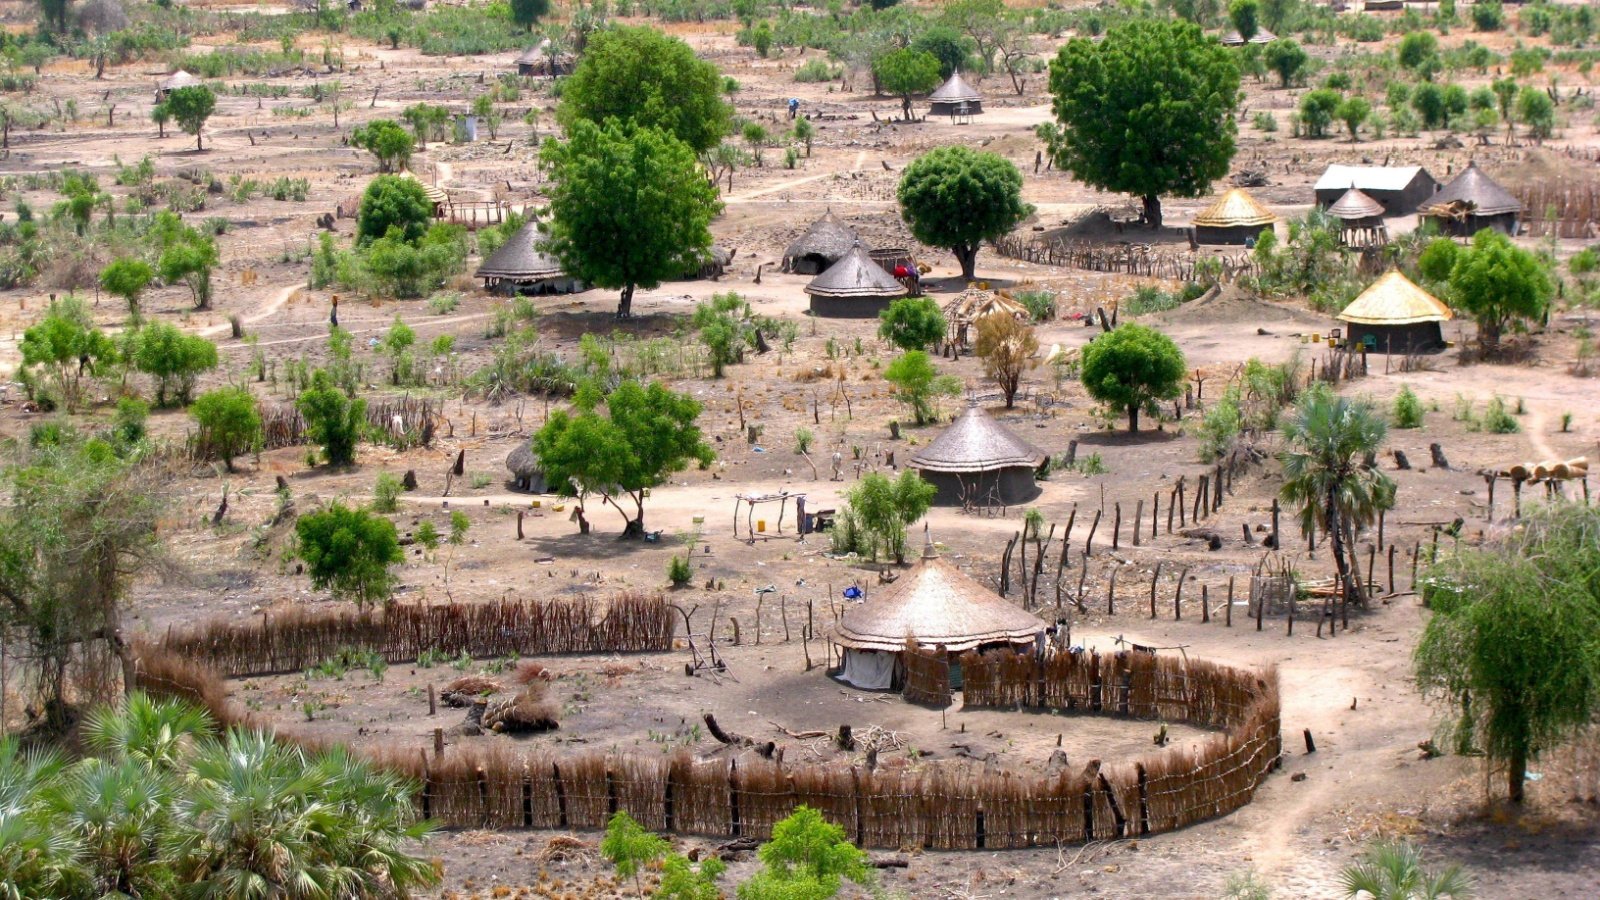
1562, 208
942, 805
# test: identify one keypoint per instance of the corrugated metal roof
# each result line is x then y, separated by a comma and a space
1367, 178
1235, 39
1395, 300
1476, 191
937, 604
1233, 209
855, 275
976, 443
178, 79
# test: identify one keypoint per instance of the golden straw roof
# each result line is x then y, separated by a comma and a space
1353, 205
1233, 209
434, 193
1395, 300
974, 303
937, 604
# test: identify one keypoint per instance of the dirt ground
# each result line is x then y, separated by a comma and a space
1352, 693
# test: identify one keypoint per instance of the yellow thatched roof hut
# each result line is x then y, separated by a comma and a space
1395, 315
1236, 218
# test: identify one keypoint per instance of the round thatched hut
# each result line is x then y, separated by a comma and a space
824, 243
1396, 316
1236, 218
539, 60
938, 606
955, 98
178, 79
1360, 219
521, 267
1471, 202
854, 287
972, 304
525, 471
977, 461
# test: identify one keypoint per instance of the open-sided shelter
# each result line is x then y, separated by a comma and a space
1393, 315
1471, 202
972, 304
977, 461
1401, 189
854, 287
955, 98
1360, 219
1235, 39
520, 266
940, 607
1236, 218
824, 243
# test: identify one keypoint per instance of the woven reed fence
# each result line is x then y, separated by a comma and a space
295, 640
927, 675
1138, 260
1565, 209
400, 422
942, 806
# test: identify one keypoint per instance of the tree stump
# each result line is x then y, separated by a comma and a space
1400, 461
1439, 461
409, 482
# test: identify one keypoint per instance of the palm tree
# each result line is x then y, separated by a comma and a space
38, 857
1324, 473
156, 733
1393, 871
120, 810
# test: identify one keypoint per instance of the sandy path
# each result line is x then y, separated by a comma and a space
262, 313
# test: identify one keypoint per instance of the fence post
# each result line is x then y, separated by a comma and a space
1138, 520
1205, 604
1154, 580
1228, 615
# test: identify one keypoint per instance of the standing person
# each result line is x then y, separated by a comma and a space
794, 107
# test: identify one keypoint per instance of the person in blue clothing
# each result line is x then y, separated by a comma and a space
794, 107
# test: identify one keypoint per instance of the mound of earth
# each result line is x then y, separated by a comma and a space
1232, 305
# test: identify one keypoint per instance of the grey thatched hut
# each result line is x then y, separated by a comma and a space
521, 267
824, 243
977, 462
540, 60
526, 473
955, 98
1471, 202
937, 605
1360, 220
854, 287
178, 79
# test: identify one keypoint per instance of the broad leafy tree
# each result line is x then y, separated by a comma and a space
127, 278
386, 140
1007, 348
391, 201
958, 197
906, 72
349, 553
629, 207
1287, 58
190, 107
1317, 109
1498, 283
1537, 112
643, 435
1419, 52
642, 76
1513, 648
1352, 112
912, 323
808, 857
174, 358
333, 419
946, 44
189, 256
1245, 15
229, 422
1328, 439
527, 13
918, 384
1148, 111
65, 347
884, 508
1131, 368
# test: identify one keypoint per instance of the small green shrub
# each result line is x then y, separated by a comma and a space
444, 303
1407, 409
679, 571
802, 440
816, 70
386, 493
1041, 304
1497, 420
1264, 121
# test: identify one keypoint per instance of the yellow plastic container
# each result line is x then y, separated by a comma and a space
761, 525
537, 503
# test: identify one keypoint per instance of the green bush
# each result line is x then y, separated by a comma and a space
679, 571
816, 70
1041, 304
1497, 420
1219, 429
1407, 409
386, 493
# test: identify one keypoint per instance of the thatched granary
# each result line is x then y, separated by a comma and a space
1360, 220
526, 473
854, 287
972, 304
937, 605
1393, 315
1236, 218
1401, 189
1235, 39
178, 79
955, 98
1471, 202
539, 61
435, 194
824, 243
519, 266
977, 461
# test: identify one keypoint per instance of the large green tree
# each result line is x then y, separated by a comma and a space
527, 13
66, 347
629, 207
884, 508
127, 277
349, 553
643, 436
333, 419
174, 358
958, 197
905, 72
1148, 110
1513, 648
393, 201
386, 140
1287, 58
642, 76
912, 323
229, 422
1328, 439
1496, 282
1131, 368
190, 107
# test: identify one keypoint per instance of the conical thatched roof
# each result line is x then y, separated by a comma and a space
955, 90
178, 79
1475, 191
855, 275
975, 303
1233, 209
1395, 300
827, 237
939, 605
976, 443
522, 462
434, 193
521, 258
1353, 204
531, 56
